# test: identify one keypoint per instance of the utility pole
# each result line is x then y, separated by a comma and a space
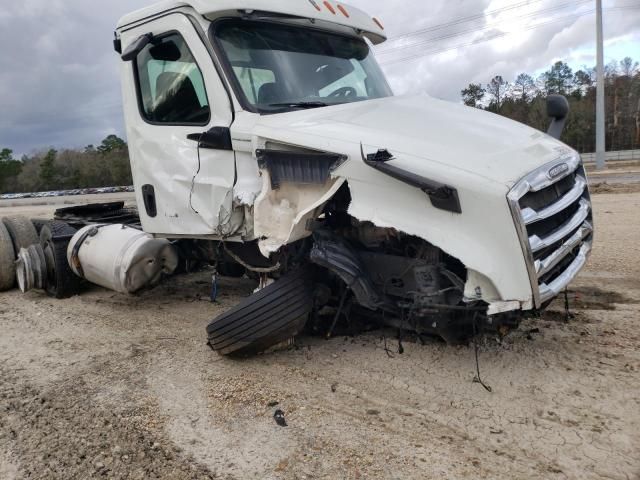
600, 112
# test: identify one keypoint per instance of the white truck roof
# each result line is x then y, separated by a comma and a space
319, 10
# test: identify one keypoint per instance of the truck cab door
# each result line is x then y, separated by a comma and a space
176, 110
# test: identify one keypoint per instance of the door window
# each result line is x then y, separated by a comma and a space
170, 84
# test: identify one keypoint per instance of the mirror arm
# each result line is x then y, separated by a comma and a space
136, 47
558, 110
218, 138
557, 127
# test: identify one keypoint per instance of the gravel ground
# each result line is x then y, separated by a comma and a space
111, 386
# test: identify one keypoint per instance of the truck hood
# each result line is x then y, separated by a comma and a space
425, 133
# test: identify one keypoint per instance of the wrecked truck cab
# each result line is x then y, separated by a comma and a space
268, 128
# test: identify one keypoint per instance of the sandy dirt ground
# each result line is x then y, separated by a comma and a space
111, 386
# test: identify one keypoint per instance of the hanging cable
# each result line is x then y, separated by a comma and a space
478, 378
567, 311
193, 181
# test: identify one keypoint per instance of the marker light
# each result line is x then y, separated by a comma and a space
343, 10
378, 22
313, 2
330, 7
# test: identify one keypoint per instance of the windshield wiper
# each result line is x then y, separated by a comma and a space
300, 104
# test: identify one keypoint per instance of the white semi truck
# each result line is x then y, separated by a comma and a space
265, 133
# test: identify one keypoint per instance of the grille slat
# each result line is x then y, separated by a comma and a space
531, 215
564, 230
545, 265
555, 225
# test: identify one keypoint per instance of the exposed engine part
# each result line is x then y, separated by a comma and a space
397, 280
31, 268
368, 234
120, 258
251, 268
337, 256
403, 277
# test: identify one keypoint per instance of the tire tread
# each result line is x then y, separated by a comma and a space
7, 260
268, 317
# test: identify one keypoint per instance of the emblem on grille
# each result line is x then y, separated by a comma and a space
558, 170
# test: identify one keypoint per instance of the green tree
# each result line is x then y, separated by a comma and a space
524, 87
48, 170
558, 79
9, 168
112, 143
628, 67
497, 90
472, 95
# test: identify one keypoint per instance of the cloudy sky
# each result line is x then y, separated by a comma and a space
59, 81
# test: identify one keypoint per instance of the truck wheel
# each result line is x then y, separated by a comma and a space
271, 316
61, 281
22, 231
38, 223
7, 260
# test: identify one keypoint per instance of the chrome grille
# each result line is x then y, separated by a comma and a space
552, 210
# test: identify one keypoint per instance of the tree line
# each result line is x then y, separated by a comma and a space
106, 165
524, 100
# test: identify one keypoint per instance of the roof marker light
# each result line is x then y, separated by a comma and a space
329, 7
313, 2
378, 22
343, 10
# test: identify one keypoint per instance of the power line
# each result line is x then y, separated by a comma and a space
384, 51
483, 40
498, 35
463, 20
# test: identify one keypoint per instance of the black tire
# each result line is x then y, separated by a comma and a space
38, 223
7, 260
271, 316
61, 281
22, 231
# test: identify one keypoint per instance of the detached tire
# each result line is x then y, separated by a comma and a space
7, 260
271, 316
23, 233
61, 281
38, 223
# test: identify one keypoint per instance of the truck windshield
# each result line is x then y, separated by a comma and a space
276, 67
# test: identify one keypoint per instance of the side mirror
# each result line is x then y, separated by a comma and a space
218, 138
136, 47
166, 51
558, 110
